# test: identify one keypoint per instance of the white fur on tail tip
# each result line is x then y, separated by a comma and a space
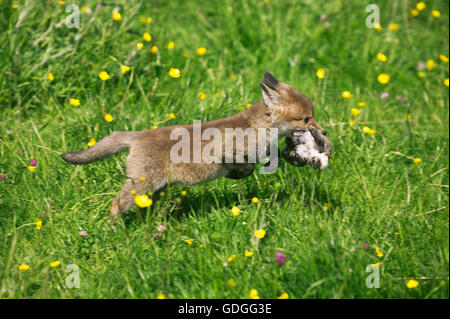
308, 150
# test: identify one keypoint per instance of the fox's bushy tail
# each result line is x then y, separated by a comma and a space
109, 145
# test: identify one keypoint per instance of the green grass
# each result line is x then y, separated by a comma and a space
377, 193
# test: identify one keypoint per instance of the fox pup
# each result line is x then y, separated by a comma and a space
149, 165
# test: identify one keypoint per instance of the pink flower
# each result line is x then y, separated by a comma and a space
161, 228
83, 233
2, 177
366, 246
323, 17
33, 163
420, 65
326, 24
280, 258
384, 95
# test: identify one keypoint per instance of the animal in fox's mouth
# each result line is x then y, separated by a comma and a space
150, 164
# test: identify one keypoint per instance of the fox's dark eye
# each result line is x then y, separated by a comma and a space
306, 119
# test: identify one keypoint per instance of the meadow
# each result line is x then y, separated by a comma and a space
381, 93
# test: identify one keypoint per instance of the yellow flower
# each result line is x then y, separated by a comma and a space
146, 20
355, 112
139, 46
202, 96
103, 75
414, 12
366, 129
189, 241
92, 142
142, 179
377, 26
175, 73
417, 160
443, 58
259, 233
183, 193
320, 73
421, 74
31, 168
284, 296
231, 282
154, 49
346, 94
352, 122
116, 16
50, 76
38, 223
24, 267
393, 26
326, 206
55, 264
14, 6
446, 82
74, 102
249, 253
235, 211
147, 37
133, 192
361, 104
372, 132
85, 10
143, 201
171, 45
381, 57
161, 296
201, 246
171, 116
248, 105
253, 294
421, 5
377, 265
435, 13
383, 78
255, 200
124, 69
233, 257
108, 117
201, 51
61, 2
378, 252
412, 284
154, 127
430, 64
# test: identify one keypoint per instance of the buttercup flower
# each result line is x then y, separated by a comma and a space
201, 51
74, 102
412, 284
146, 20
320, 73
235, 211
161, 296
231, 282
14, 6
446, 82
108, 117
361, 104
383, 78
259, 233
23, 267
253, 294
154, 127
116, 16
202, 96
183, 192
421, 74
133, 192
154, 49
124, 69
143, 201
381, 57
55, 264
248, 253
233, 257
346, 94
378, 252
393, 27
171, 116
284, 296
50, 76
376, 265
430, 64
417, 160
189, 241
38, 223
92, 142
61, 2
103, 75
171, 45
139, 46
147, 37
443, 58
280, 258
414, 12
85, 10
248, 105
175, 73
421, 6
355, 112
377, 26
435, 13
255, 200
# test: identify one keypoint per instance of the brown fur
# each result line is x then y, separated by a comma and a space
149, 167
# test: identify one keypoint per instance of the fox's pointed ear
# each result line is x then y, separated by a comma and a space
270, 95
270, 80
